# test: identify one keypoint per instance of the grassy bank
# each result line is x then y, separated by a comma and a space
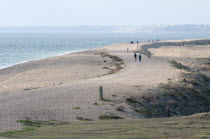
195, 126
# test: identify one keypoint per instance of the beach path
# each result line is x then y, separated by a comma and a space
67, 87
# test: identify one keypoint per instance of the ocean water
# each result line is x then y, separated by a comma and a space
16, 48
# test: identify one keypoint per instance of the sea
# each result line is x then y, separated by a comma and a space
19, 47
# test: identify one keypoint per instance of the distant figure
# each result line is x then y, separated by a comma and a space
135, 57
137, 42
139, 57
131, 42
149, 40
127, 49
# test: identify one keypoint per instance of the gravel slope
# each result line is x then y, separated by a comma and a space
51, 89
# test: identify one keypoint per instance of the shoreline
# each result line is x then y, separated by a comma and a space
71, 52
59, 55
65, 88
66, 53
55, 71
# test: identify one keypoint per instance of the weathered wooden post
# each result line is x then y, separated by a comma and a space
149, 54
101, 93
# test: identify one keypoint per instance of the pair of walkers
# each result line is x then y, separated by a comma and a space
139, 56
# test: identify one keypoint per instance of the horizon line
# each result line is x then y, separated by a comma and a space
111, 26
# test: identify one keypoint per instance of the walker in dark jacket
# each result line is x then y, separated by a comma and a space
135, 56
139, 57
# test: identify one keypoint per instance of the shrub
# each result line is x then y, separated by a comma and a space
109, 117
120, 108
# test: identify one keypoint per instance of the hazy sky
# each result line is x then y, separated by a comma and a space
103, 12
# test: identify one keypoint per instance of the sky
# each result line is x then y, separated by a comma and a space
103, 12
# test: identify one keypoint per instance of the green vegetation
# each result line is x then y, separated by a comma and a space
77, 108
26, 89
180, 66
118, 62
188, 96
108, 117
131, 100
144, 111
30, 126
14, 134
106, 68
96, 104
106, 99
195, 126
120, 108
83, 119
33, 123
115, 58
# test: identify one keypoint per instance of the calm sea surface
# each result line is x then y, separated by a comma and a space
21, 47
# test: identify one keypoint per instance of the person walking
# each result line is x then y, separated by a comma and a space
135, 56
139, 57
